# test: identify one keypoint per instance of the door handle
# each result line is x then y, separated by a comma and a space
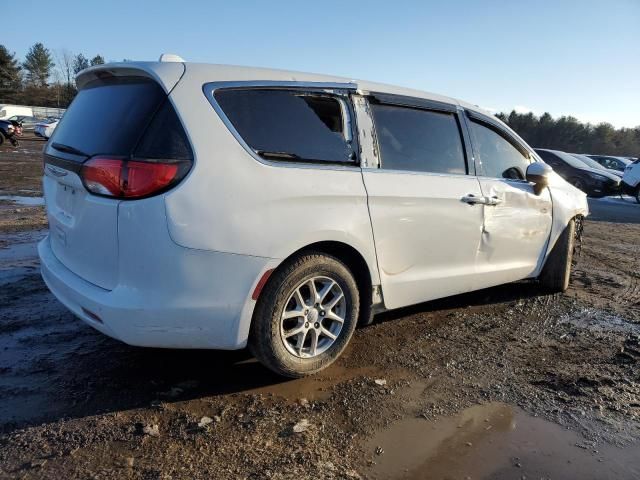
472, 199
493, 201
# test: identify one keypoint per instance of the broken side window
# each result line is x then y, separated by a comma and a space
290, 125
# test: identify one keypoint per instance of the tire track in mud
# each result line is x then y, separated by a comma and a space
608, 269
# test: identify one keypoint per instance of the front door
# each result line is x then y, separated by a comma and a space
517, 221
426, 236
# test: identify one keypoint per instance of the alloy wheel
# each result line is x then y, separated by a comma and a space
313, 317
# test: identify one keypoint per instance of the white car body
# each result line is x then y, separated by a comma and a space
631, 175
183, 268
46, 129
8, 111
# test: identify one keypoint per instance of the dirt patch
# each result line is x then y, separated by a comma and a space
555, 377
21, 204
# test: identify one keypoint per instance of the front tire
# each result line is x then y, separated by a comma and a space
637, 194
557, 270
305, 315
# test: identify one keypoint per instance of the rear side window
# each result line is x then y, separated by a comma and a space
499, 157
290, 125
419, 140
111, 116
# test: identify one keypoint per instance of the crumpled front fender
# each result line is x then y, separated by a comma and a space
568, 202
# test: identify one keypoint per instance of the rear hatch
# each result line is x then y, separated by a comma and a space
113, 117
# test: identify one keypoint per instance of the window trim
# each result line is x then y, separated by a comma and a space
412, 102
500, 130
426, 105
497, 128
342, 91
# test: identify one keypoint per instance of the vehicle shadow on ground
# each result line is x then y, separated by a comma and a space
100, 375
510, 292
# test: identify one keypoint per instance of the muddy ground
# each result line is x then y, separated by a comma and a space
504, 383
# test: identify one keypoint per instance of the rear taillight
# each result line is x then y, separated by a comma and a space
128, 179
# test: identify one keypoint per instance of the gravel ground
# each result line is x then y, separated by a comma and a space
503, 383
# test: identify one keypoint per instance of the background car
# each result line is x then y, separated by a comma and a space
613, 163
45, 129
631, 180
590, 162
4, 130
28, 123
592, 181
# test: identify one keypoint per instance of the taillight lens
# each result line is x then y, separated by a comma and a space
129, 179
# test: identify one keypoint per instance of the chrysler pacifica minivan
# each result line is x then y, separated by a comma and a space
210, 206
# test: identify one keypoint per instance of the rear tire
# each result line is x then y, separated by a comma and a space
289, 291
557, 270
637, 195
1, 138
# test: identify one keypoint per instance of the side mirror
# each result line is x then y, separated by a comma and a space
538, 174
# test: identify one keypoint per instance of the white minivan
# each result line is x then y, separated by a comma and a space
209, 206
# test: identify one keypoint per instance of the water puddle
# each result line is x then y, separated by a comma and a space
19, 254
24, 201
599, 321
493, 441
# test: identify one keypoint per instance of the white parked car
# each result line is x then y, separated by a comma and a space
208, 206
631, 180
45, 128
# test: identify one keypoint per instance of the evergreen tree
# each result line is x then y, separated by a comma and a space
97, 60
80, 62
38, 65
10, 79
570, 135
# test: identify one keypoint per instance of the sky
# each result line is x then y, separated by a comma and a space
566, 57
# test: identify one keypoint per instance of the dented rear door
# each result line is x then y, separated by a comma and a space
424, 199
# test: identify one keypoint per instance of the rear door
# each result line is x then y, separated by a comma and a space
517, 221
426, 236
107, 117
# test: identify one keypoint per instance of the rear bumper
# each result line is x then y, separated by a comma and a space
203, 300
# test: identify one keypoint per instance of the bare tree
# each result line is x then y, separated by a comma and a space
65, 60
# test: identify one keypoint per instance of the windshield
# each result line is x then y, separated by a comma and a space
570, 159
589, 161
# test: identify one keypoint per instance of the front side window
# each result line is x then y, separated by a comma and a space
419, 140
499, 157
290, 125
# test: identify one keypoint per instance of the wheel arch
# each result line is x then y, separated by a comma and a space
351, 257
568, 204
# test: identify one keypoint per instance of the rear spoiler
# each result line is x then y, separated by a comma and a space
167, 74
